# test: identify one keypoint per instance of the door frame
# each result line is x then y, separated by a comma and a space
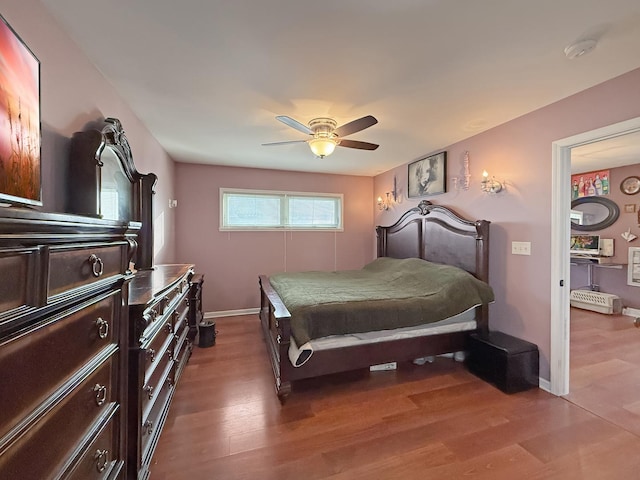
560, 234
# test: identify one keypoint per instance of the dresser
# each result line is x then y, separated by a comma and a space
159, 348
63, 345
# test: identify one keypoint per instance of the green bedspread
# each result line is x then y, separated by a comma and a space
388, 293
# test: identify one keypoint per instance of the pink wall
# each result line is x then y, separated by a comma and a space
232, 261
73, 94
614, 280
520, 153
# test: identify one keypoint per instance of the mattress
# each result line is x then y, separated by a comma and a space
299, 355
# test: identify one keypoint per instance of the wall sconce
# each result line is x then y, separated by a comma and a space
391, 197
490, 185
461, 182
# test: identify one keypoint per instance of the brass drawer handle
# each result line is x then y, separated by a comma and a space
169, 327
151, 353
97, 266
101, 457
149, 391
148, 427
103, 328
279, 339
101, 394
170, 355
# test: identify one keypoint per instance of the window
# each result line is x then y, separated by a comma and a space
268, 210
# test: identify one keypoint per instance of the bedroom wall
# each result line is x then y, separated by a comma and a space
520, 153
232, 261
73, 94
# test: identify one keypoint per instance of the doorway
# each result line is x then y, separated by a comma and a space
560, 232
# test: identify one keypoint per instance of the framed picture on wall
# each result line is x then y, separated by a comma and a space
428, 176
630, 208
20, 133
590, 184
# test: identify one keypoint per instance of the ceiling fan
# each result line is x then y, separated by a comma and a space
326, 135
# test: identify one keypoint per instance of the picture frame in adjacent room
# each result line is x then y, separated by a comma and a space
20, 125
633, 267
590, 184
428, 176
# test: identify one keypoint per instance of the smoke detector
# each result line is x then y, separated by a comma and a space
580, 48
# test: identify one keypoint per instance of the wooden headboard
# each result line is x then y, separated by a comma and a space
437, 234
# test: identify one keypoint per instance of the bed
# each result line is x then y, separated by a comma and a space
429, 232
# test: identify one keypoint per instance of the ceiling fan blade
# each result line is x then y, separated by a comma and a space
294, 124
283, 143
357, 144
355, 126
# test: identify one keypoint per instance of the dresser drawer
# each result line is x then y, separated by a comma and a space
151, 390
35, 363
72, 267
17, 265
159, 346
100, 460
48, 443
154, 421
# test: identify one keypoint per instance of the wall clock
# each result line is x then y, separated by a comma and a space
630, 185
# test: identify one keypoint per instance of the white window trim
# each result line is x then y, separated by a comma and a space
280, 193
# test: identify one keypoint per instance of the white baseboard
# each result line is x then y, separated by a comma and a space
544, 384
232, 313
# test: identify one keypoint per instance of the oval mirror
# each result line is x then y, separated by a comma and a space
593, 213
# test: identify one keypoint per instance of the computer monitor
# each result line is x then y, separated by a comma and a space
585, 244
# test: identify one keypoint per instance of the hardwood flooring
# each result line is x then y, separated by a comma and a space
435, 421
605, 367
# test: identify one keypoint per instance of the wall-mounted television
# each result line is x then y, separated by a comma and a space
585, 244
20, 126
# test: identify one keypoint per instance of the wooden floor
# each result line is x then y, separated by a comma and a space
435, 421
605, 367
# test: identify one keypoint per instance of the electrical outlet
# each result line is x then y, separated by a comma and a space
521, 248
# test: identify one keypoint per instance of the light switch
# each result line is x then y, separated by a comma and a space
521, 248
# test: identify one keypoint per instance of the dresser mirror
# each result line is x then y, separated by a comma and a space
106, 184
589, 214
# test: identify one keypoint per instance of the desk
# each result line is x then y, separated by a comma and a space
591, 262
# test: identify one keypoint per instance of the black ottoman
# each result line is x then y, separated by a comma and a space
510, 363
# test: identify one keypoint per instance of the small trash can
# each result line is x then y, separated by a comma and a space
207, 332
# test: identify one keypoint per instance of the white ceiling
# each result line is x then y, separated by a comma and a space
613, 152
209, 77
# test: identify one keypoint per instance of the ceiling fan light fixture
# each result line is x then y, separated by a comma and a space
322, 146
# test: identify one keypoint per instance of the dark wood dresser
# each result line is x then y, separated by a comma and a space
159, 348
63, 345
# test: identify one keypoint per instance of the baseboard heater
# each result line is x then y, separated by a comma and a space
596, 301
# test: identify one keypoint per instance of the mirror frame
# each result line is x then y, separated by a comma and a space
85, 174
614, 213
